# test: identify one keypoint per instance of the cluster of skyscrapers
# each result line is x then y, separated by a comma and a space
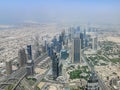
24, 60
79, 42
54, 50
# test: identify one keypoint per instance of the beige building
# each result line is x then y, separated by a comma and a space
8, 67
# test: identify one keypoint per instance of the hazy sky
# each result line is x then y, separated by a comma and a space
83, 11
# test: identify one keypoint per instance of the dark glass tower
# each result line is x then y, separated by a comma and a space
54, 40
29, 52
76, 50
81, 38
55, 66
84, 33
50, 51
22, 59
60, 39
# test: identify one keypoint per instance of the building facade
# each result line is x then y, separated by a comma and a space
55, 66
8, 67
93, 83
76, 50
22, 59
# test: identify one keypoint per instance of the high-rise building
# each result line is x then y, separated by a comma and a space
76, 50
82, 42
86, 42
92, 83
85, 39
84, 33
36, 47
64, 54
72, 32
30, 67
8, 67
22, 59
45, 45
50, 50
29, 52
60, 68
58, 47
63, 36
60, 38
55, 66
78, 29
54, 40
94, 43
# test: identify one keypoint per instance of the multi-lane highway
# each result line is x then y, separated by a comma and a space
22, 71
39, 59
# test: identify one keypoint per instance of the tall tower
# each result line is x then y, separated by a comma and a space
94, 43
86, 42
22, 59
36, 46
30, 67
29, 52
60, 38
85, 39
84, 33
8, 67
54, 40
76, 50
55, 66
46, 44
50, 50
81, 38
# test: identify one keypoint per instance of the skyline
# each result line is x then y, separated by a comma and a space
66, 11
59, 45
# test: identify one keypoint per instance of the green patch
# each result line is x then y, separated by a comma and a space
76, 73
31, 81
115, 60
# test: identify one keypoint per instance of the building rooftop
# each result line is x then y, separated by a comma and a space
93, 78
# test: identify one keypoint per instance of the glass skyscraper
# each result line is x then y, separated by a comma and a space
29, 52
76, 50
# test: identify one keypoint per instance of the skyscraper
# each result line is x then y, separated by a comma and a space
82, 42
36, 47
84, 33
78, 29
29, 52
55, 66
60, 38
22, 59
58, 47
64, 54
86, 42
50, 50
54, 40
76, 50
94, 43
8, 67
30, 67
63, 36
45, 46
